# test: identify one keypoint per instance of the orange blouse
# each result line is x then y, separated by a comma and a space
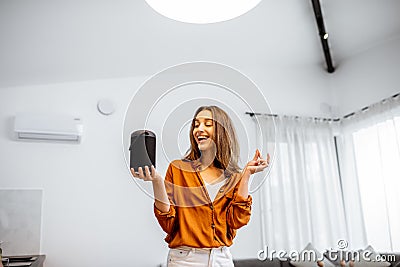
193, 219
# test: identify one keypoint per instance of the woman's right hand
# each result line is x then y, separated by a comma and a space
147, 175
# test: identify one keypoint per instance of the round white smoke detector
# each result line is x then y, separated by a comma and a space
105, 107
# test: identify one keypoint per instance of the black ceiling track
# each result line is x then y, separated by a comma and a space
323, 34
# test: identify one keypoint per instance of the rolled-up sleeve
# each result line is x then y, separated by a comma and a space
167, 219
239, 211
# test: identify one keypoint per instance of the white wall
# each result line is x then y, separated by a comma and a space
93, 213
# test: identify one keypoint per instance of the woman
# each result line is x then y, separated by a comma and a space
204, 198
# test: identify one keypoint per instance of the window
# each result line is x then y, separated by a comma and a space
377, 156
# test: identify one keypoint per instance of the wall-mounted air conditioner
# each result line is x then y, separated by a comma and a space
48, 127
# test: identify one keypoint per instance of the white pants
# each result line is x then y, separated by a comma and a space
200, 257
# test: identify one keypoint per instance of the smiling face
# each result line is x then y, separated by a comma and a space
203, 130
212, 132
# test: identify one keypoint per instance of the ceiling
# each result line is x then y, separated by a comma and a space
49, 41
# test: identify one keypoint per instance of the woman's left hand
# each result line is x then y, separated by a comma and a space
258, 164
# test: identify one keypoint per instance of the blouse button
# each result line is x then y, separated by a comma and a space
212, 225
221, 190
211, 207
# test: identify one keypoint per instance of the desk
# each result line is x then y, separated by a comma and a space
28, 260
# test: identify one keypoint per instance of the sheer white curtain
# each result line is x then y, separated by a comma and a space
370, 164
302, 197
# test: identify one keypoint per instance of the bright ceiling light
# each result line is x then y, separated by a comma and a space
202, 11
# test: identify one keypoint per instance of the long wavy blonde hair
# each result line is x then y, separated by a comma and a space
224, 137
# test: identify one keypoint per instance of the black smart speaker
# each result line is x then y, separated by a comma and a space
142, 149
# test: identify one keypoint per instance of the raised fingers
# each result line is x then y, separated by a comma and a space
260, 160
259, 163
257, 155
